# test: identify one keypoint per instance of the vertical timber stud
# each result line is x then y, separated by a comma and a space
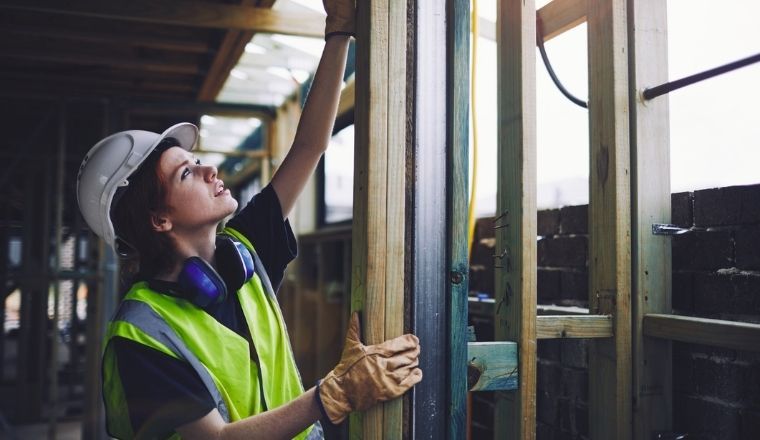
609, 219
457, 182
516, 207
650, 170
395, 278
379, 235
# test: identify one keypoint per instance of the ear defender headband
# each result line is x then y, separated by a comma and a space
204, 286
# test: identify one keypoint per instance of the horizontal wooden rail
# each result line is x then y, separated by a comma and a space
551, 309
715, 332
556, 17
560, 16
581, 326
491, 366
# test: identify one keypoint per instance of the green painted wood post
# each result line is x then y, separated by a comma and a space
457, 182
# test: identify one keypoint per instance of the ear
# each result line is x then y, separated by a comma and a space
160, 223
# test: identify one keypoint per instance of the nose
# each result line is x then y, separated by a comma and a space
209, 173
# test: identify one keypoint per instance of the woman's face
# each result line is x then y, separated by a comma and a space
195, 197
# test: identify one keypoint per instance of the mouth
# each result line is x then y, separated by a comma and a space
219, 189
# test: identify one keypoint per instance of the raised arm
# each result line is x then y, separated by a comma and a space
316, 124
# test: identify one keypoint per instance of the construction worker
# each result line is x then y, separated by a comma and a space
198, 347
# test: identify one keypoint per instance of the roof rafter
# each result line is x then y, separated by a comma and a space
185, 13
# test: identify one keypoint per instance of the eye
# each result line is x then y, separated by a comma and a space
197, 161
185, 173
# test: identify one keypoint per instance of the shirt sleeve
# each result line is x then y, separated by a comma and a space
161, 392
262, 223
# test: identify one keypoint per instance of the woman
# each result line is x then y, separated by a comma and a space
198, 347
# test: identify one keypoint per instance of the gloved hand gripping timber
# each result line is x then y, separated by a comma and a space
368, 374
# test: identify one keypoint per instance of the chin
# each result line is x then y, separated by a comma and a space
233, 206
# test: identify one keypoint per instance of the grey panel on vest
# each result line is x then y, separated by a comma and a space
142, 316
263, 274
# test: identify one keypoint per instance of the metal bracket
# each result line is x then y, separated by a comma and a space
668, 229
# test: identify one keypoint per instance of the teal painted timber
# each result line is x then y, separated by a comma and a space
457, 184
492, 366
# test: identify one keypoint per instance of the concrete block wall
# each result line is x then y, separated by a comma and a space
716, 274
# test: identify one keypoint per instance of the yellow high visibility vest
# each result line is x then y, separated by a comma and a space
220, 357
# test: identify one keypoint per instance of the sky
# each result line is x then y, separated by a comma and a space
714, 125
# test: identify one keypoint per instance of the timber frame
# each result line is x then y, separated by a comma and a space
630, 322
410, 175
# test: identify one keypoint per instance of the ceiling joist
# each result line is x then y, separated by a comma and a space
112, 38
184, 13
227, 56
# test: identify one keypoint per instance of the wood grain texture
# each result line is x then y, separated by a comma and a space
650, 194
457, 183
563, 326
560, 16
395, 216
515, 296
184, 13
492, 366
714, 332
379, 236
609, 218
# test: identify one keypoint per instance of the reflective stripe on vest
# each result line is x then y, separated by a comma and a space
220, 356
146, 319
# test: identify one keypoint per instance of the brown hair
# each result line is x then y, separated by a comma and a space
131, 215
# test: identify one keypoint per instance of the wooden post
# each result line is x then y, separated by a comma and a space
609, 219
379, 220
650, 195
457, 184
516, 212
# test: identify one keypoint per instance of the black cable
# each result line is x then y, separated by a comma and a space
683, 82
540, 43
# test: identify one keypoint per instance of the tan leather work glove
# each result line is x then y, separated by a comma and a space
341, 17
368, 374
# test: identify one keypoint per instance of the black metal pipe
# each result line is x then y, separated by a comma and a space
545, 58
697, 77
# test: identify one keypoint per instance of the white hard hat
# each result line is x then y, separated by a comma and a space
108, 165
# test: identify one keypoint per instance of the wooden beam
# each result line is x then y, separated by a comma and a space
395, 193
117, 62
230, 50
559, 16
547, 309
515, 297
379, 221
115, 80
492, 366
192, 13
215, 108
563, 326
650, 194
715, 332
609, 219
112, 38
457, 194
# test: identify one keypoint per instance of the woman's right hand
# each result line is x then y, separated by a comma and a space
368, 374
341, 17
